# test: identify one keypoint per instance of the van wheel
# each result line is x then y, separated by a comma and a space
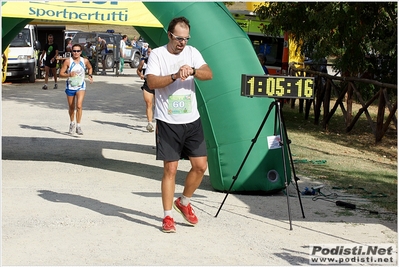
136, 61
109, 61
32, 77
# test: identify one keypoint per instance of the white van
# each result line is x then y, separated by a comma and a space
23, 55
70, 34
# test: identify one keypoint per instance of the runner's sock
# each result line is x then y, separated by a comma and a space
167, 213
184, 200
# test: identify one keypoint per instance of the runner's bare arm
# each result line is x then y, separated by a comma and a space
203, 73
89, 69
140, 69
64, 68
155, 82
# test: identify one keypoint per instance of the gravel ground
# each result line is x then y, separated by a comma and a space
95, 199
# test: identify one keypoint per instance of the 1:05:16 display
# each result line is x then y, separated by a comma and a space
281, 87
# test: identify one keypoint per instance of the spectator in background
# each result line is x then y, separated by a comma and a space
148, 94
262, 60
134, 41
122, 48
87, 51
68, 45
102, 49
144, 49
50, 64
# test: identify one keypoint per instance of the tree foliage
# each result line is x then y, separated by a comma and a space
361, 37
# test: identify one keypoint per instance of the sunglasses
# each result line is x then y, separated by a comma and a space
76, 51
181, 39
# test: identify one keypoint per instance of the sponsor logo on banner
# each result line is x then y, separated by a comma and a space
99, 12
85, 10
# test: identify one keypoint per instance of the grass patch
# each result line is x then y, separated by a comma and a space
321, 214
340, 213
353, 162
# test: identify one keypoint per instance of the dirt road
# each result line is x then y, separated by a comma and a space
95, 199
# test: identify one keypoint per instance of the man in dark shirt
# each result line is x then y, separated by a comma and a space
50, 63
102, 49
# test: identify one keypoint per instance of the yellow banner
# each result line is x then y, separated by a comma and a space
82, 12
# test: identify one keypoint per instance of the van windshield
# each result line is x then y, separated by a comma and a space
22, 39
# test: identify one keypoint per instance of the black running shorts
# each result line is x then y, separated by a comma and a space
179, 141
145, 87
49, 64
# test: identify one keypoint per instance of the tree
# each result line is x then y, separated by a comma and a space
361, 37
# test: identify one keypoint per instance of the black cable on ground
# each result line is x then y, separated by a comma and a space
351, 206
346, 205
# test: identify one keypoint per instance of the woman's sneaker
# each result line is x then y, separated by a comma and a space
44, 87
79, 130
71, 127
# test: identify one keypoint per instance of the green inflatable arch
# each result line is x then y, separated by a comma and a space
10, 28
230, 120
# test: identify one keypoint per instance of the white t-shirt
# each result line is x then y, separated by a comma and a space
122, 47
175, 103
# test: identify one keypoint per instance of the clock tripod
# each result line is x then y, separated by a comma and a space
270, 88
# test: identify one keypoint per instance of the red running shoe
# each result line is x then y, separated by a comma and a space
168, 225
186, 211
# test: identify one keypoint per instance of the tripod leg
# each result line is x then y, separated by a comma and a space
292, 165
283, 155
246, 156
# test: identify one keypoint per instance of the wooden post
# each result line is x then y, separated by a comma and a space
349, 104
380, 116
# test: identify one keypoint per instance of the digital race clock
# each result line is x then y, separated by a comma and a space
277, 86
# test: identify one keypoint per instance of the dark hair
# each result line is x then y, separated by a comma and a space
80, 46
176, 21
124, 36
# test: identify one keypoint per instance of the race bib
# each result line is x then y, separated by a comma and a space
76, 80
179, 104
